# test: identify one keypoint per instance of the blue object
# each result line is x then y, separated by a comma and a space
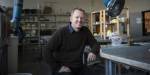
107, 2
114, 7
17, 10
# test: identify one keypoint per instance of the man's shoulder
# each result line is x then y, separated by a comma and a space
64, 28
61, 30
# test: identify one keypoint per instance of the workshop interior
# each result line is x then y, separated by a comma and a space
27, 25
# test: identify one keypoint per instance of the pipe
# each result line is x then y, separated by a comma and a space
17, 10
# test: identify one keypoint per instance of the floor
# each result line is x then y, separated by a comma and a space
41, 68
36, 66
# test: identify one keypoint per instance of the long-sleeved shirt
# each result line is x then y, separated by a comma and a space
66, 46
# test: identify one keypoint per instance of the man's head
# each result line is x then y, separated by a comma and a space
77, 18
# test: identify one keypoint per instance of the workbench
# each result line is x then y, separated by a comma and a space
136, 55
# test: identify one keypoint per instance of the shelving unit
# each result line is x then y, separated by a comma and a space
107, 24
34, 23
95, 22
37, 26
103, 25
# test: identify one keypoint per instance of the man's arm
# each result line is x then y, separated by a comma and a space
95, 47
91, 41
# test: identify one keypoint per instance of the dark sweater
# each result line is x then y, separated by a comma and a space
66, 46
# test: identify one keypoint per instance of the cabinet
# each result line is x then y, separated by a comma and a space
35, 25
103, 25
38, 28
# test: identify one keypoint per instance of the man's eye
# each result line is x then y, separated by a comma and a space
77, 17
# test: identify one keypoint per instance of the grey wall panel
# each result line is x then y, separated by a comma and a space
136, 24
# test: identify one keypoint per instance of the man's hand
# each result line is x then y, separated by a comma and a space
64, 69
91, 57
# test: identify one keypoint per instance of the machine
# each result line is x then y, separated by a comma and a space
114, 7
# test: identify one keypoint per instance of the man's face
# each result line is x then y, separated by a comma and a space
77, 19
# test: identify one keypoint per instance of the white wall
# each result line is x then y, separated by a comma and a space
7, 3
63, 6
138, 5
89, 5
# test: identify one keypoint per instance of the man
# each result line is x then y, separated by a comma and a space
66, 46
